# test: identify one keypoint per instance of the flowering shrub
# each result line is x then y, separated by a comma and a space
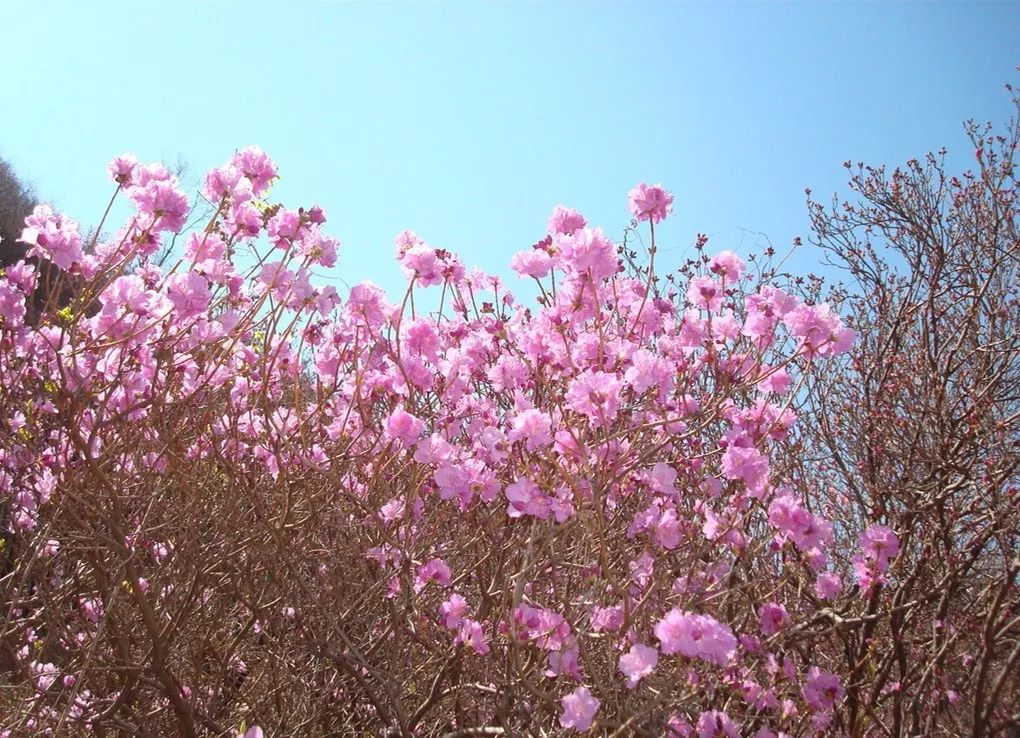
239, 504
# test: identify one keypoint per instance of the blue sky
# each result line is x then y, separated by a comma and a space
467, 122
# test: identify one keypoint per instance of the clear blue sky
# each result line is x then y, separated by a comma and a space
467, 123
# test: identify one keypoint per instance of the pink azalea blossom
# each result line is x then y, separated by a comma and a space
696, 636
822, 689
579, 708
637, 663
650, 202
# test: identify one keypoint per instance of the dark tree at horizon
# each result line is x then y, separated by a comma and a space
17, 199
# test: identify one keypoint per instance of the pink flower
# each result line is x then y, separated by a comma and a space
525, 498
588, 250
705, 293
579, 708
638, 663
436, 571
532, 426
820, 331
451, 612
565, 661
822, 690
284, 227
52, 237
122, 169
717, 724
696, 636
256, 165
189, 292
650, 202
880, 544
160, 199
595, 395
726, 264
565, 221
472, 633
828, 585
773, 616
12, 304
404, 427
607, 618
748, 465
535, 263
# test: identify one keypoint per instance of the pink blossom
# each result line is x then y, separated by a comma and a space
472, 633
534, 263
773, 616
705, 293
589, 251
451, 612
717, 724
122, 169
565, 221
256, 165
189, 292
822, 689
525, 498
607, 618
726, 264
828, 585
650, 202
532, 426
435, 570
637, 663
52, 237
579, 708
696, 636
880, 544
595, 395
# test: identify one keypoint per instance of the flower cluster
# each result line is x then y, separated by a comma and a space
571, 511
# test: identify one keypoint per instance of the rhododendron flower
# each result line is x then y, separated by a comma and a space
436, 570
822, 689
535, 263
717, 724
403, 427
748, 465
472, 633
649, 202
122, 169
828, 585
637, 663
189, 292
773, 616
579, 708
532, 426
525, 498
256, 165
696, 636
880, 544
705, 293
726, 264
565, 221
589, 251
819, 329
607, 618
156, 195
565, 661
595, 395
52, 237
451, 612
12, 304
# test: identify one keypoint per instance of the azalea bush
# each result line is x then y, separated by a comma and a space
237, 502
